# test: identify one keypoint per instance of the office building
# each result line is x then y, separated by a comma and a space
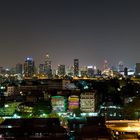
125, 71
90, 71
105, 66
69, 70
1, 70
41, 69
29, 67
137, 69
76, 67
121, 67
61, 70
48, 66
83, 72
18, 68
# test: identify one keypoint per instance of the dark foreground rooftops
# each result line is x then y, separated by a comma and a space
35, 128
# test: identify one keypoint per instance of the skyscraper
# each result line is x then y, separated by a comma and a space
105, 66
1, 70
76, 67
29, 67
90, 71
120, 67
61, 70
18, 68
125, 71
137, 69
41, 69
48, 66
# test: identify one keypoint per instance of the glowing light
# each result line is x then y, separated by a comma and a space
29, 59
6, 105
95, 68
90, 67
2, 87
16, 116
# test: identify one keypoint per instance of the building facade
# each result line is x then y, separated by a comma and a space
48, 66
18, 68
29, 67
137, 69
61, 70
76, 67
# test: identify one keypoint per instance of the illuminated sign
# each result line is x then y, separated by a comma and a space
73, 102
58, 103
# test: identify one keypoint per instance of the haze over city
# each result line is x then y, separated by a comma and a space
91, 31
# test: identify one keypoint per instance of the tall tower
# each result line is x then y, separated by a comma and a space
76, 67
48, 66
61, 70
1, 70
90, 71
105, 66
137, 69
18, 68
29, 67
41, 69
120, 66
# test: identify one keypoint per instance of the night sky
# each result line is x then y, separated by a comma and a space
91, 31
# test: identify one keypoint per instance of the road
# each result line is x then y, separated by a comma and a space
125, 129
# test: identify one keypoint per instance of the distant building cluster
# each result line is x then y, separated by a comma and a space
69, 88
29, 70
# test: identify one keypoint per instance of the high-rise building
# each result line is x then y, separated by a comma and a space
18, 68
76, 67
41, 69
137, 69
90, 71
125, 71
48, 66
29, 67
1, 70
121, 67
83, 71
105, 66
69, 70
61, 70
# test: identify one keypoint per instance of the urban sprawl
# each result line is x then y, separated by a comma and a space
78, 100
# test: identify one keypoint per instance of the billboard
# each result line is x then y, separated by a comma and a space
73, 102
58, 103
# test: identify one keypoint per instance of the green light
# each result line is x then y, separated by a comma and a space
2, 87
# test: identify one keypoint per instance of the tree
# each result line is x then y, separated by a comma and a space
131, 110
42, 107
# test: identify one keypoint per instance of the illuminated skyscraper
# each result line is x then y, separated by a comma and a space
41, 69
83, 71
48, 66
69, 70
90, 71
29, 67
61, 70
76, 67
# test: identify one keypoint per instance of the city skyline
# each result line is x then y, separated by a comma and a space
121, 65
91, 31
